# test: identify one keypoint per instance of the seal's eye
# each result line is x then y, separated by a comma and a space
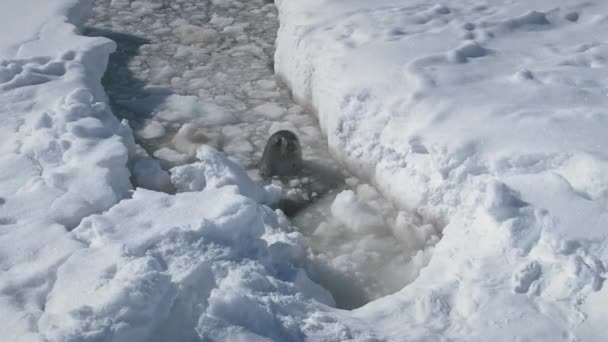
278, 142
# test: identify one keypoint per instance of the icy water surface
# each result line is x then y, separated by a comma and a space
189, 72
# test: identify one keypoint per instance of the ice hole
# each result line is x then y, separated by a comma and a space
201, 72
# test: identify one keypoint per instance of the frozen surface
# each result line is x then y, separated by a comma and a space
362, 248
484, 122
199, 73
189, 73
488, 117
59, 138
83, 255
175, 267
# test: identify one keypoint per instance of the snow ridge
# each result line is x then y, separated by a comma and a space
487, 117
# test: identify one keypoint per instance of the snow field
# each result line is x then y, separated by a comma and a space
487, 118
59, 138
175, 267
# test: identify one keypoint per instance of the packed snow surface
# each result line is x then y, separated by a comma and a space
85, 257
484, 118
490, 117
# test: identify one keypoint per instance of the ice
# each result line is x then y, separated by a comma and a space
84, 257
363, 248
152, 129
481, 121
356, 215
281, 125
169, 157
530, 18
189, 177
267, 84
270, 109
191, 34
138, 276
190, 136
221, 92
482, 118
64, 154
178, 108
221, 21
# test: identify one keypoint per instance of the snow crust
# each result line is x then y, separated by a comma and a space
180, 91
488, 118
175, 267
362, 248
84, 257
484, 118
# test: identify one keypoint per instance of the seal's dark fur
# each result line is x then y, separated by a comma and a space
282, 155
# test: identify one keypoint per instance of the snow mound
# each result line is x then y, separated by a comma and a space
214, 171
487, 119
84, 257
64, 155
176, 267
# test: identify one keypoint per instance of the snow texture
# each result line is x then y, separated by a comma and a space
489, 118
83, 257
483, 118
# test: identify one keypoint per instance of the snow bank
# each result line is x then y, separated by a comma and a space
84, 257
488, 117
63, 155
163, 267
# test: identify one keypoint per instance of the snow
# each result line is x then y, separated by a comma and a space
271, 109
483, 122
148, 174
487, 117
159, 266
216, 171
151, 129
59, 138
85, 257
166, 87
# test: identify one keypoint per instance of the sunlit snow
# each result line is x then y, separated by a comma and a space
455, 180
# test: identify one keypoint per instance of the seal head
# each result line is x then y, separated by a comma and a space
282, 155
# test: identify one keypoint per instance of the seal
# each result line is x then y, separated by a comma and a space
303, 182
282, 155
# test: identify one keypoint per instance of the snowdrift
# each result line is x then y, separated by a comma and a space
485, 118
84, 257
488, 117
